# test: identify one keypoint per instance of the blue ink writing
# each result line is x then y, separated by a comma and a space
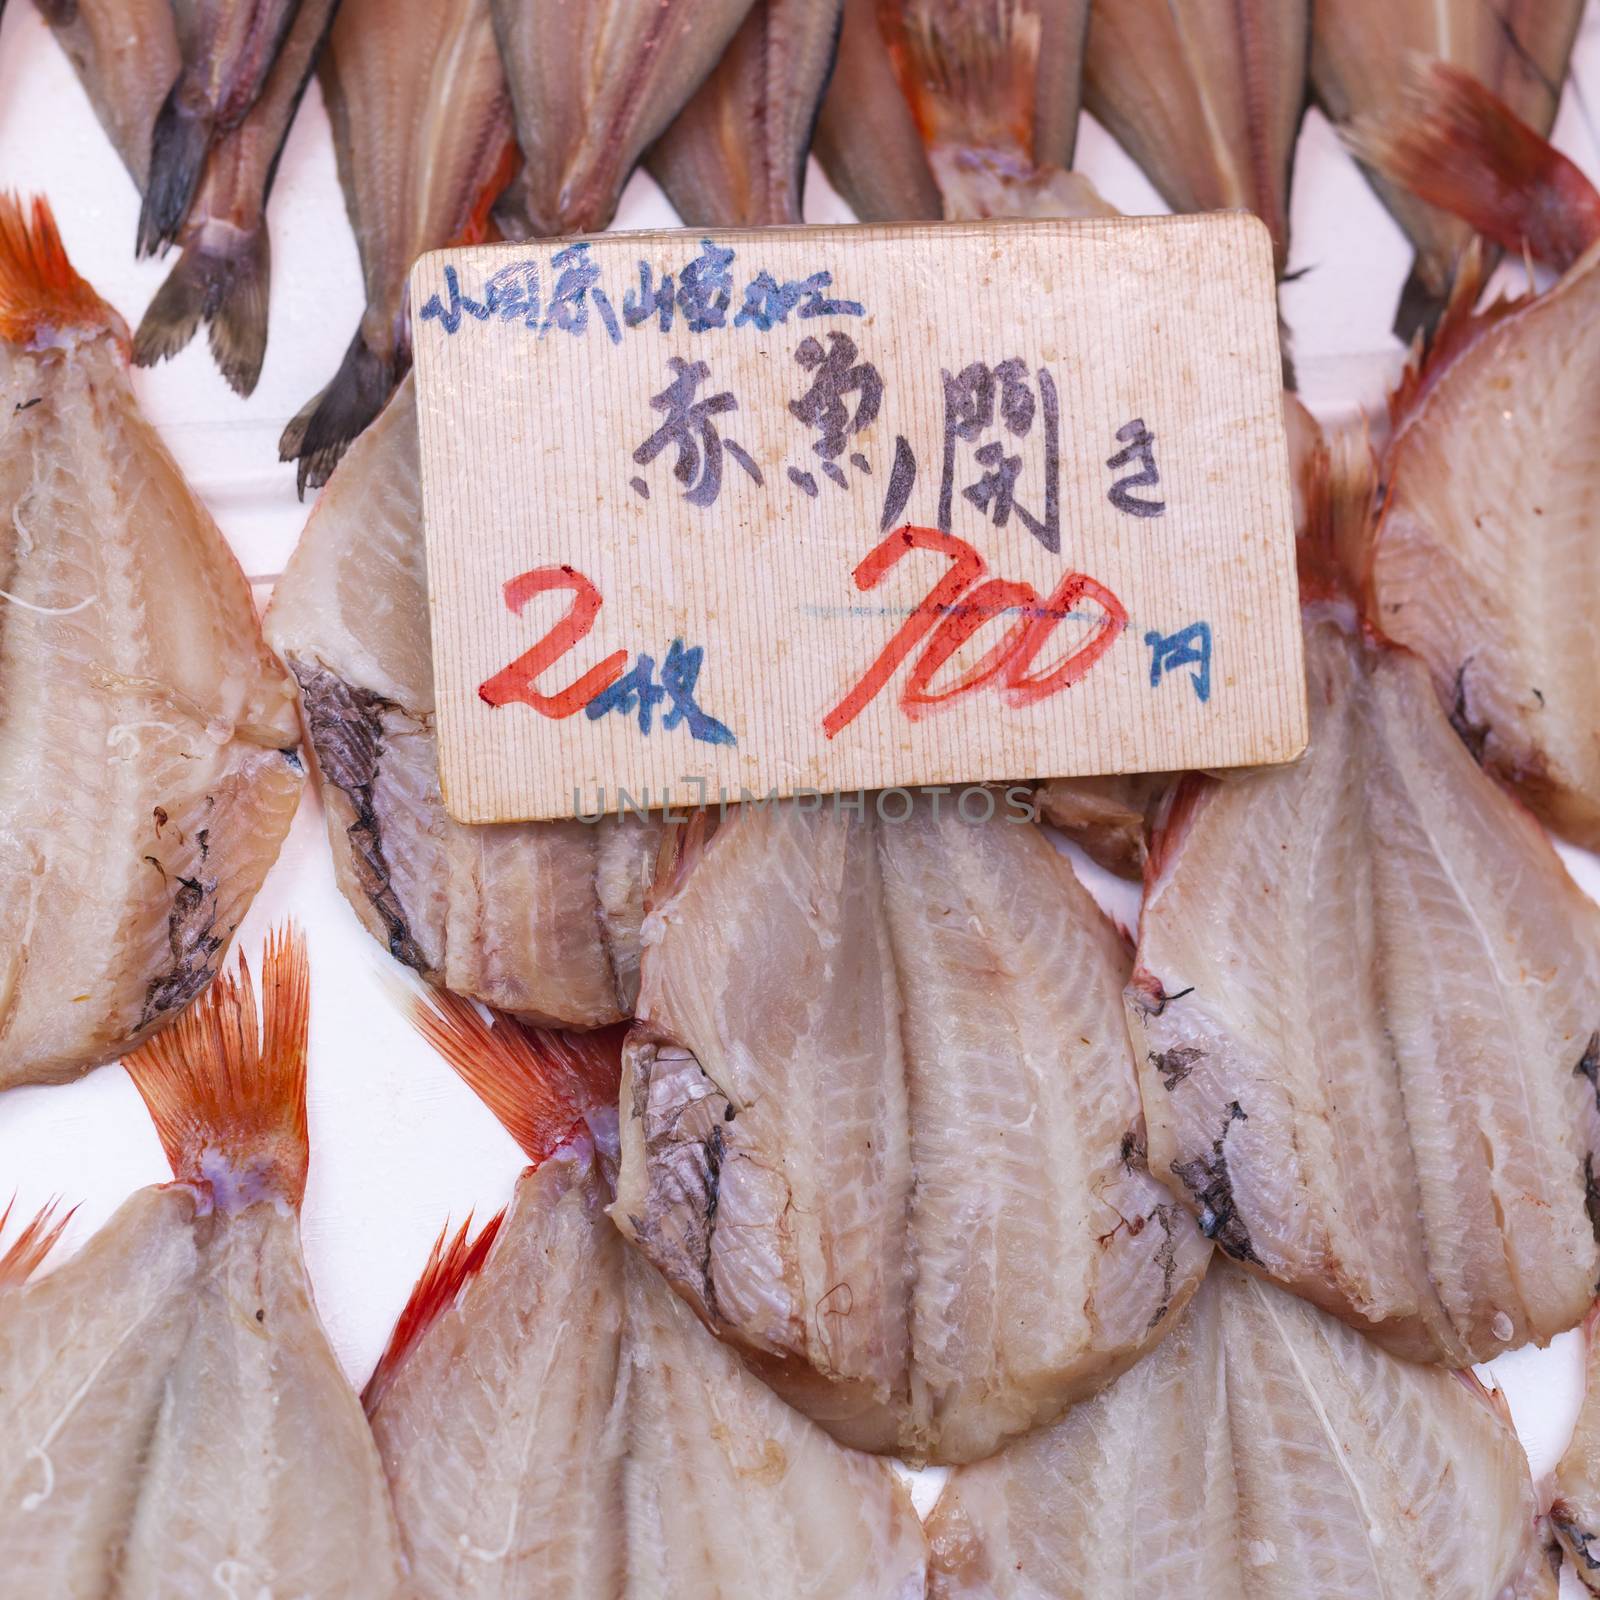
1188, 647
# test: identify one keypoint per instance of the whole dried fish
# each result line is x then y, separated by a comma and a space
226, 50
736, 155
176, 1422
1576, 1512
1361, 61
879, 1125
537, 918
148, 771
222, 274
422, 129
1263, 1451
657, 1466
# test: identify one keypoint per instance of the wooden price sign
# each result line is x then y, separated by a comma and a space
832, 509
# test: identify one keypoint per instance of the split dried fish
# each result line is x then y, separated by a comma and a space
657, 1467
1263, 1451
175, 1419
537, 918
1206, 98
223, 271
880, 1128
422, 129
148, 771
1576, 1512
1361, 61
736, 155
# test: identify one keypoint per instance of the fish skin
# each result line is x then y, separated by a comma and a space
422, 131
829, 1010
735, 157
540, 919
1265, 1451
592, 86
1367, 1087
1575, 1515
148, 771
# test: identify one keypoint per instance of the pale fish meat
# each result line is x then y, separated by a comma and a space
660, 1469
881, 1130
222, 276
736, 155
1486, 560
422, 130
593, 85
177, 1424
148, 770
1576, 1512
1206, 98
1361, 61
538, 918
1264, 1451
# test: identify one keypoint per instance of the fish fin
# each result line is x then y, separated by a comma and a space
452, 1263
227, 1091
41, 296
539, 1082
1455, 144
27, 1251
179, 144
1339, 485
331, 420
228, 291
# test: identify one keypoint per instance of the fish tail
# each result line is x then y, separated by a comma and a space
41, 296
1339, 487
179, 144
227, 1091
331, 420
541, 1083
452, 1263
1458, 146
229, 291
27, 1251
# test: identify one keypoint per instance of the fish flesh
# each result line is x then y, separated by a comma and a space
736, 155
1361, 1010
223, 271
1206, 98
592, 86
542, 918
1107, 817
880, 1127
422, 131
1265, 1451
176, 1422
226, 49
148, 769
1362, 55
1575, 1515
660, 1467
1486, 561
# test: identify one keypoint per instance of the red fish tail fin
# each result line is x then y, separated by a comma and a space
539, 1082
227, 1090
452, 1263
42, 297
1339, 489
1455, 144
27, 1251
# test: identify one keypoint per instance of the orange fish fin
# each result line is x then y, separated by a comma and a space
41, 296
27, 1251
227, 1090
480, 226
540, 1082
1457, 145
452, 1263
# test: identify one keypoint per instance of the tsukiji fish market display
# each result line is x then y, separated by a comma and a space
1142, 1142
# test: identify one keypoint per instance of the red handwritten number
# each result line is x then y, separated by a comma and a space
954, 610
516, 681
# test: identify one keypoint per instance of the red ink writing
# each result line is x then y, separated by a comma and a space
516, 682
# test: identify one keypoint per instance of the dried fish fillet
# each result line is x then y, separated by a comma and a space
880, 1129
537, 918
736, 155
1207, 98
1364, 992
660, 1467
422, 129
1263, 1451
1576, 1512
148, 771
176, 1422
1108, 817
593, 85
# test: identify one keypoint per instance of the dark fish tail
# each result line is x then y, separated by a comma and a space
325, 427
179, 144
